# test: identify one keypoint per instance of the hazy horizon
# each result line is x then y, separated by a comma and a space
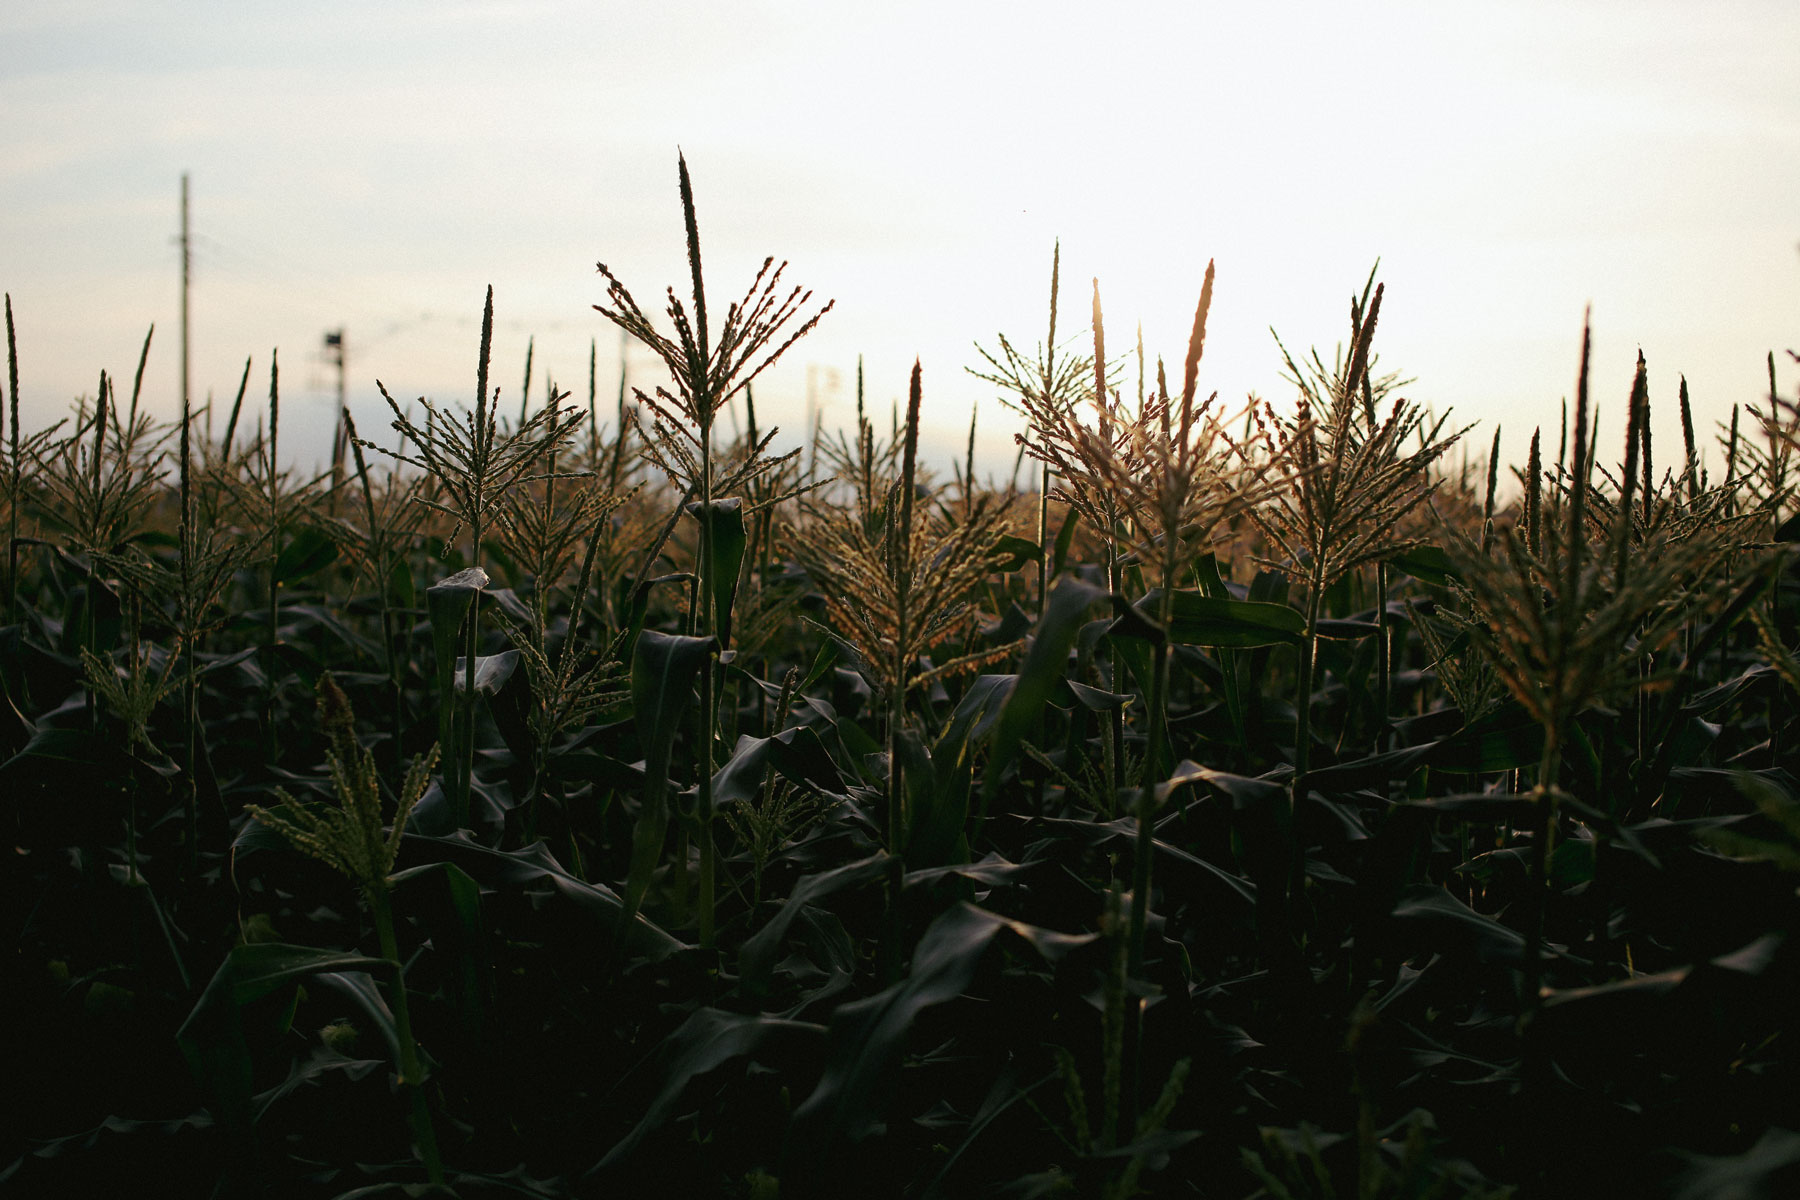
376, 170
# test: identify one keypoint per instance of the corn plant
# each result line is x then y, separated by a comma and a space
708, 367
1405, 786
475, 464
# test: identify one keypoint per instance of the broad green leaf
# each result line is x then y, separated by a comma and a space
795, 752
1428, 564
869, 1037
1064, 540
1045, 664
532, 870
726, 539
991, 871
663, 671
310, 552
757, 957
1765, 1169
637, 609
1456, 926
212, 1038
448, 901
1503, 740
491, 672
1202, 620
1373, 771
706, 1041
402, 590
79, 747
449, 603
1017, 551
1095, 700
937, 807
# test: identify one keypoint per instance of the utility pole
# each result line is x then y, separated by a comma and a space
334, 356
187, 263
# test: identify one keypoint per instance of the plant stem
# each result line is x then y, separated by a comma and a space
1544, 830
412, 1075
1279, 911
705, 622
465, 767
274, 482
190, 623
1384, 652
1111, 744
1043, 530
1153, 753
1146, 798
900, 525
16, 479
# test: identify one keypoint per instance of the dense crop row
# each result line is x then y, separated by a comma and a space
1238, 802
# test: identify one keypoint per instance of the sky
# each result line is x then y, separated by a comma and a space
376, 167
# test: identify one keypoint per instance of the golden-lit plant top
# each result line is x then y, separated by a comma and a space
475, 459
1572, 600
898, 578
709, 366
1355, 480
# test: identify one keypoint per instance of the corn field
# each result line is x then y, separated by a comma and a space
555, 798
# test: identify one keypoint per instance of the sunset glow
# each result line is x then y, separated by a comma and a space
376, 170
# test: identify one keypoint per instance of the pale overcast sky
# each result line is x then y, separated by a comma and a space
377, 166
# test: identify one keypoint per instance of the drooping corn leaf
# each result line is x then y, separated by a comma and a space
726, 540
663, 672
212, 1038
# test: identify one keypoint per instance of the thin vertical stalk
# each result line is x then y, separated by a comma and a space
190, 625
593, 412
1544, 824
1690, 471
968, 496
1776, 484
1049, 378
1548, 793
272, 471
1043, 538
1384, 656
1146, 797
465, 768
383, 567
1304, 684
1114, 763
16, 482
90, 632
707, 404
900, 526
412, 1074
708, 714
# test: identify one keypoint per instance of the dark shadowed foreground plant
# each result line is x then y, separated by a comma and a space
882, 1016
1355, 481
899, 581
350, 839
1167, 482
1572, 609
